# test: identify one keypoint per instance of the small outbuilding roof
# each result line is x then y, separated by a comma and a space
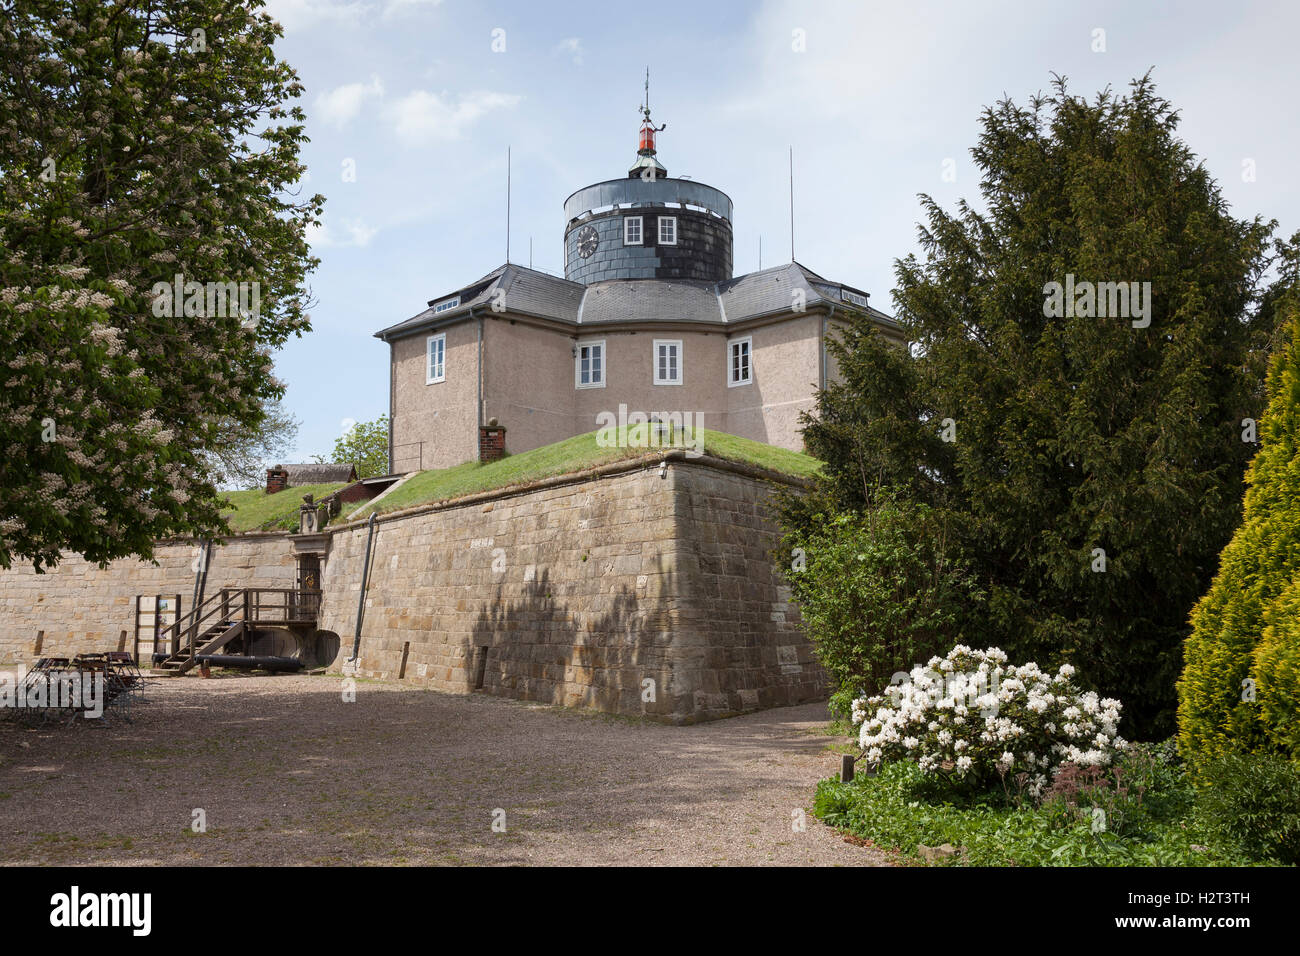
314, 473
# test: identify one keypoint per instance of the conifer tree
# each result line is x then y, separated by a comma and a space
1085, 450
1240, 687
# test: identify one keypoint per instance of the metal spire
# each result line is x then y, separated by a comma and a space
646, 166
644, 109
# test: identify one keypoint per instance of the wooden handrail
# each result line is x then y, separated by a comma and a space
236, 604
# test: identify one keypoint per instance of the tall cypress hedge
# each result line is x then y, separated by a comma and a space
1240, 687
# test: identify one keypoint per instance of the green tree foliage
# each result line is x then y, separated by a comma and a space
366, 446
877, 592
240, 454
1240, 688
1073, 433
1253, 801
138, 142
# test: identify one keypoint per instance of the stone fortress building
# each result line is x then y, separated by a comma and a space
648, 315
581, 589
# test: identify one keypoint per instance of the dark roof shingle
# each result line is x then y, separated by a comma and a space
529, 292
316, 473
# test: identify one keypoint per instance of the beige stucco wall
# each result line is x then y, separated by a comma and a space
630, 358
528, 384
786, 358
525, 385
442, 415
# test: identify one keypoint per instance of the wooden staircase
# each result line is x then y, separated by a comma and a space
213, 639
229, 616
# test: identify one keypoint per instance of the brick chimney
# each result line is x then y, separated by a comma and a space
277, 479
491, 441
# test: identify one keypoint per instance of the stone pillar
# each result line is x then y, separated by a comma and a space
308, 516
491, 441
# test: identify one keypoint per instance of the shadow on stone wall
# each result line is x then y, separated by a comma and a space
540, 648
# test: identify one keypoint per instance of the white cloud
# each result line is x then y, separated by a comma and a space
343, 103
570, 46
396, 8
844, 59
354, 233
421, 116
296, 14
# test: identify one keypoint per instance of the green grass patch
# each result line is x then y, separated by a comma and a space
897, 811
255, 510
573, 454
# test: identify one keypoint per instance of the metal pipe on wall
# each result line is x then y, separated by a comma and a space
365, 581
480, 373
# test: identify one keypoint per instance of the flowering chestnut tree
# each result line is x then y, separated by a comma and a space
973, 719
143, 146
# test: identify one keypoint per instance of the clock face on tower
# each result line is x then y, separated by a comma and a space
587, 241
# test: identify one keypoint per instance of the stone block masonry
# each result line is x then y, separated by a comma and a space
633, 589
622, 591
83, 608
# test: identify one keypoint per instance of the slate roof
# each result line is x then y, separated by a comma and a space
526, 291
319, 474
649, 300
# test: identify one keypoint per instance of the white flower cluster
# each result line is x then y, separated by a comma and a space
971, 716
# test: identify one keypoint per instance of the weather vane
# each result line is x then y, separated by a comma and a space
645, 109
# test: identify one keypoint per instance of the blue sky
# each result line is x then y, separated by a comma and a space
882, 98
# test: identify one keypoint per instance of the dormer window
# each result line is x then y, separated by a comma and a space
446, 304
667, 230
632, 231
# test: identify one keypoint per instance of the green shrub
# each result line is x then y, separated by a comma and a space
876, 591
894, 811
1277, 672
841, 705
1253, 802
1157, 778
1239, 689
1145, 787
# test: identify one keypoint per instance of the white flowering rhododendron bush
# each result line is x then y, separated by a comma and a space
973, 719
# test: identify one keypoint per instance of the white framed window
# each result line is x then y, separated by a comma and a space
435, 349
740, 370
632, 231
589, 365
668, 361
667, 230
446, 304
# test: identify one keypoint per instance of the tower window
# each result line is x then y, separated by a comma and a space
668, 230
668, 361
436, 350
589, 365
740, 371
631, 230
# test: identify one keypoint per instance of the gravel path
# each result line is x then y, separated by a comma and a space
288, 773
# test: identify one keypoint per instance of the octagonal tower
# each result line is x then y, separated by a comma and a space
648, 225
